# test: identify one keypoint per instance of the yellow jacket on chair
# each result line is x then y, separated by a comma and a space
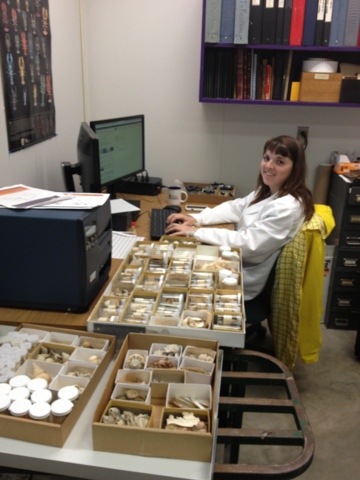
296, 303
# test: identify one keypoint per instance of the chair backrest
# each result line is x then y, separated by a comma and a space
296, 259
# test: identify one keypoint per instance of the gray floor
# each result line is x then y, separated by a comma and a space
330, 392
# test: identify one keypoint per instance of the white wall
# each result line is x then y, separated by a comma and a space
148, 61
143, 56
39, 165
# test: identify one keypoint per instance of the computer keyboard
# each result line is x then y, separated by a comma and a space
158, 222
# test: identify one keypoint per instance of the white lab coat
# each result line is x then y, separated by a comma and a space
261, 231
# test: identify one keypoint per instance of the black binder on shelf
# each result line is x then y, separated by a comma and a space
279, 21
287, 22
310, 23
255, 21
327, 22
269, 23
320, 19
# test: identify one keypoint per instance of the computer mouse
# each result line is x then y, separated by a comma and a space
173, 208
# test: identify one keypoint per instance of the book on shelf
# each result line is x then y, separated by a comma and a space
310, 23
240, 74
279, 21
327, 22
255, 21
320, 18
286, 82
241, 26
297, 22
337, 28
287, 22
269, 22
351, 33
278, 74
212, 21
227, 21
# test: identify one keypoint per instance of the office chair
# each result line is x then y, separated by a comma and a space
292, 298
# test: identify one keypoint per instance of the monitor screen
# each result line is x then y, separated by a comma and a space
121, 148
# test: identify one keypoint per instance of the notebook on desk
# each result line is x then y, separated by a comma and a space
122, 243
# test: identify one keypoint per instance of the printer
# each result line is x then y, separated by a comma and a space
54, 259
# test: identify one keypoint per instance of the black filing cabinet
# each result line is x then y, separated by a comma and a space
343, 303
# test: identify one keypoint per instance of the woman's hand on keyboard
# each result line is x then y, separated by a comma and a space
179, 218
180, 229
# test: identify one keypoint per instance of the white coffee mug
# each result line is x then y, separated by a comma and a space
176, 195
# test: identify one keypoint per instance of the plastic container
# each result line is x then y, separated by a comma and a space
4, 403
41, 396
19, 381
40, 411
20, 408
70, 392
19, 393
37, 384
60, 409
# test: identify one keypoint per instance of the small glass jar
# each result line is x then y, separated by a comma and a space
19, 381
40, 411
229, 283
37, 384
4, 403
41, 396
60, 409
19, 393
5, 388
69, 392
20, 408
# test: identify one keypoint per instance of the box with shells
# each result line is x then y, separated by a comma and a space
79, 369
87, 355
55, 367
135, 359
61, 381
121, 413
189, 396
138, 309
170, 304
131, 393
166, 349
52, 353
156, 440
125, 279
39, 369
156, 362
133, 377
196, 320
186, 420
150, 282
92, 343
197, 371
108, 309
198, 353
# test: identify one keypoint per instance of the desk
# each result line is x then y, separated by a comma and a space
77, 321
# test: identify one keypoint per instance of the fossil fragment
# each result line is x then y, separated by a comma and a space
187, 422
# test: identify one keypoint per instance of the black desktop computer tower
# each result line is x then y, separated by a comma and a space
54, 259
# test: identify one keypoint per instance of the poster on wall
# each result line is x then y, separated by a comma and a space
26, 70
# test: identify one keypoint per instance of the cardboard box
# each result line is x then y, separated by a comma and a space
48, 433
320, 87
156, 323
202, 193
154, 440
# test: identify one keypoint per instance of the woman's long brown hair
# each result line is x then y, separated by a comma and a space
295, 185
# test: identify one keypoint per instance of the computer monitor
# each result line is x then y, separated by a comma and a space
88, 166
109, 152
121, 149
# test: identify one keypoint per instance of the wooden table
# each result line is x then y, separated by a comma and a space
17, 316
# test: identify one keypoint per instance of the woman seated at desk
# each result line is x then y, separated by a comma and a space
265, 220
